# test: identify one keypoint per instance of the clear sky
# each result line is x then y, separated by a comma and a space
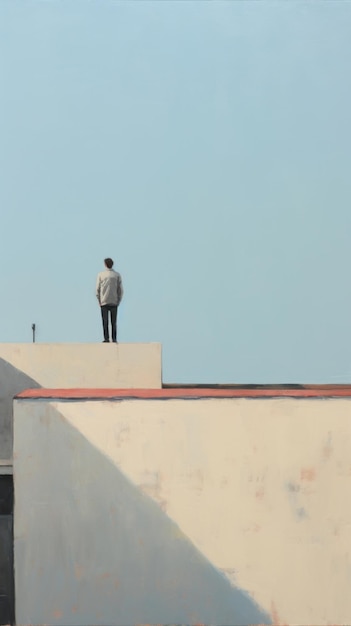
205, 146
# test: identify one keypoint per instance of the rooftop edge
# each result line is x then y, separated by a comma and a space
192, 392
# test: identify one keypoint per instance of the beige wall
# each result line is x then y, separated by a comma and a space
24, 366
257, 489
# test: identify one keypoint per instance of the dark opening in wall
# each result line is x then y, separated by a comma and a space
6, 495
7, 596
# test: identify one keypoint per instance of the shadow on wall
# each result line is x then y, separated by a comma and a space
93, 549
12, 381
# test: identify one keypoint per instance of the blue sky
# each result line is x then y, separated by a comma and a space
205, 146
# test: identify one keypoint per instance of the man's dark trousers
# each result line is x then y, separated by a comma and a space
105, 309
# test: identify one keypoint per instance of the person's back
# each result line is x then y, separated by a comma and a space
108, 285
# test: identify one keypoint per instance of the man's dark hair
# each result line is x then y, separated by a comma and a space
109, 263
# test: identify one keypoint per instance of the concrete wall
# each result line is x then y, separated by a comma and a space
211, 511
24, 366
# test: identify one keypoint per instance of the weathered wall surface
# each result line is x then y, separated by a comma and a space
212, 511
24, 366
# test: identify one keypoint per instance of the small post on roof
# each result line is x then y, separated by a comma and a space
33, 329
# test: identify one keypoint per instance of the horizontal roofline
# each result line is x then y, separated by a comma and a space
255, 386
192, 392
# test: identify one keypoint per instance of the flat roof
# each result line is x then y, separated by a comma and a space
192, 392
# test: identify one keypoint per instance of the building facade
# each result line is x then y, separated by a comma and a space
139, 503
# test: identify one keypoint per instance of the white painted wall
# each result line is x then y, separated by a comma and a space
151, 511
24, 366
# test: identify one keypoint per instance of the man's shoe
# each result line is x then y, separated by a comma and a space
106, 341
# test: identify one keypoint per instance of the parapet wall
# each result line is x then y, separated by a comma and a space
182, 510
26, 366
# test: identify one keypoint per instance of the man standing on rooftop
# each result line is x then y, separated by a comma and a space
109, 292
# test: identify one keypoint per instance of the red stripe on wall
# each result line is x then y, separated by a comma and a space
315, 391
